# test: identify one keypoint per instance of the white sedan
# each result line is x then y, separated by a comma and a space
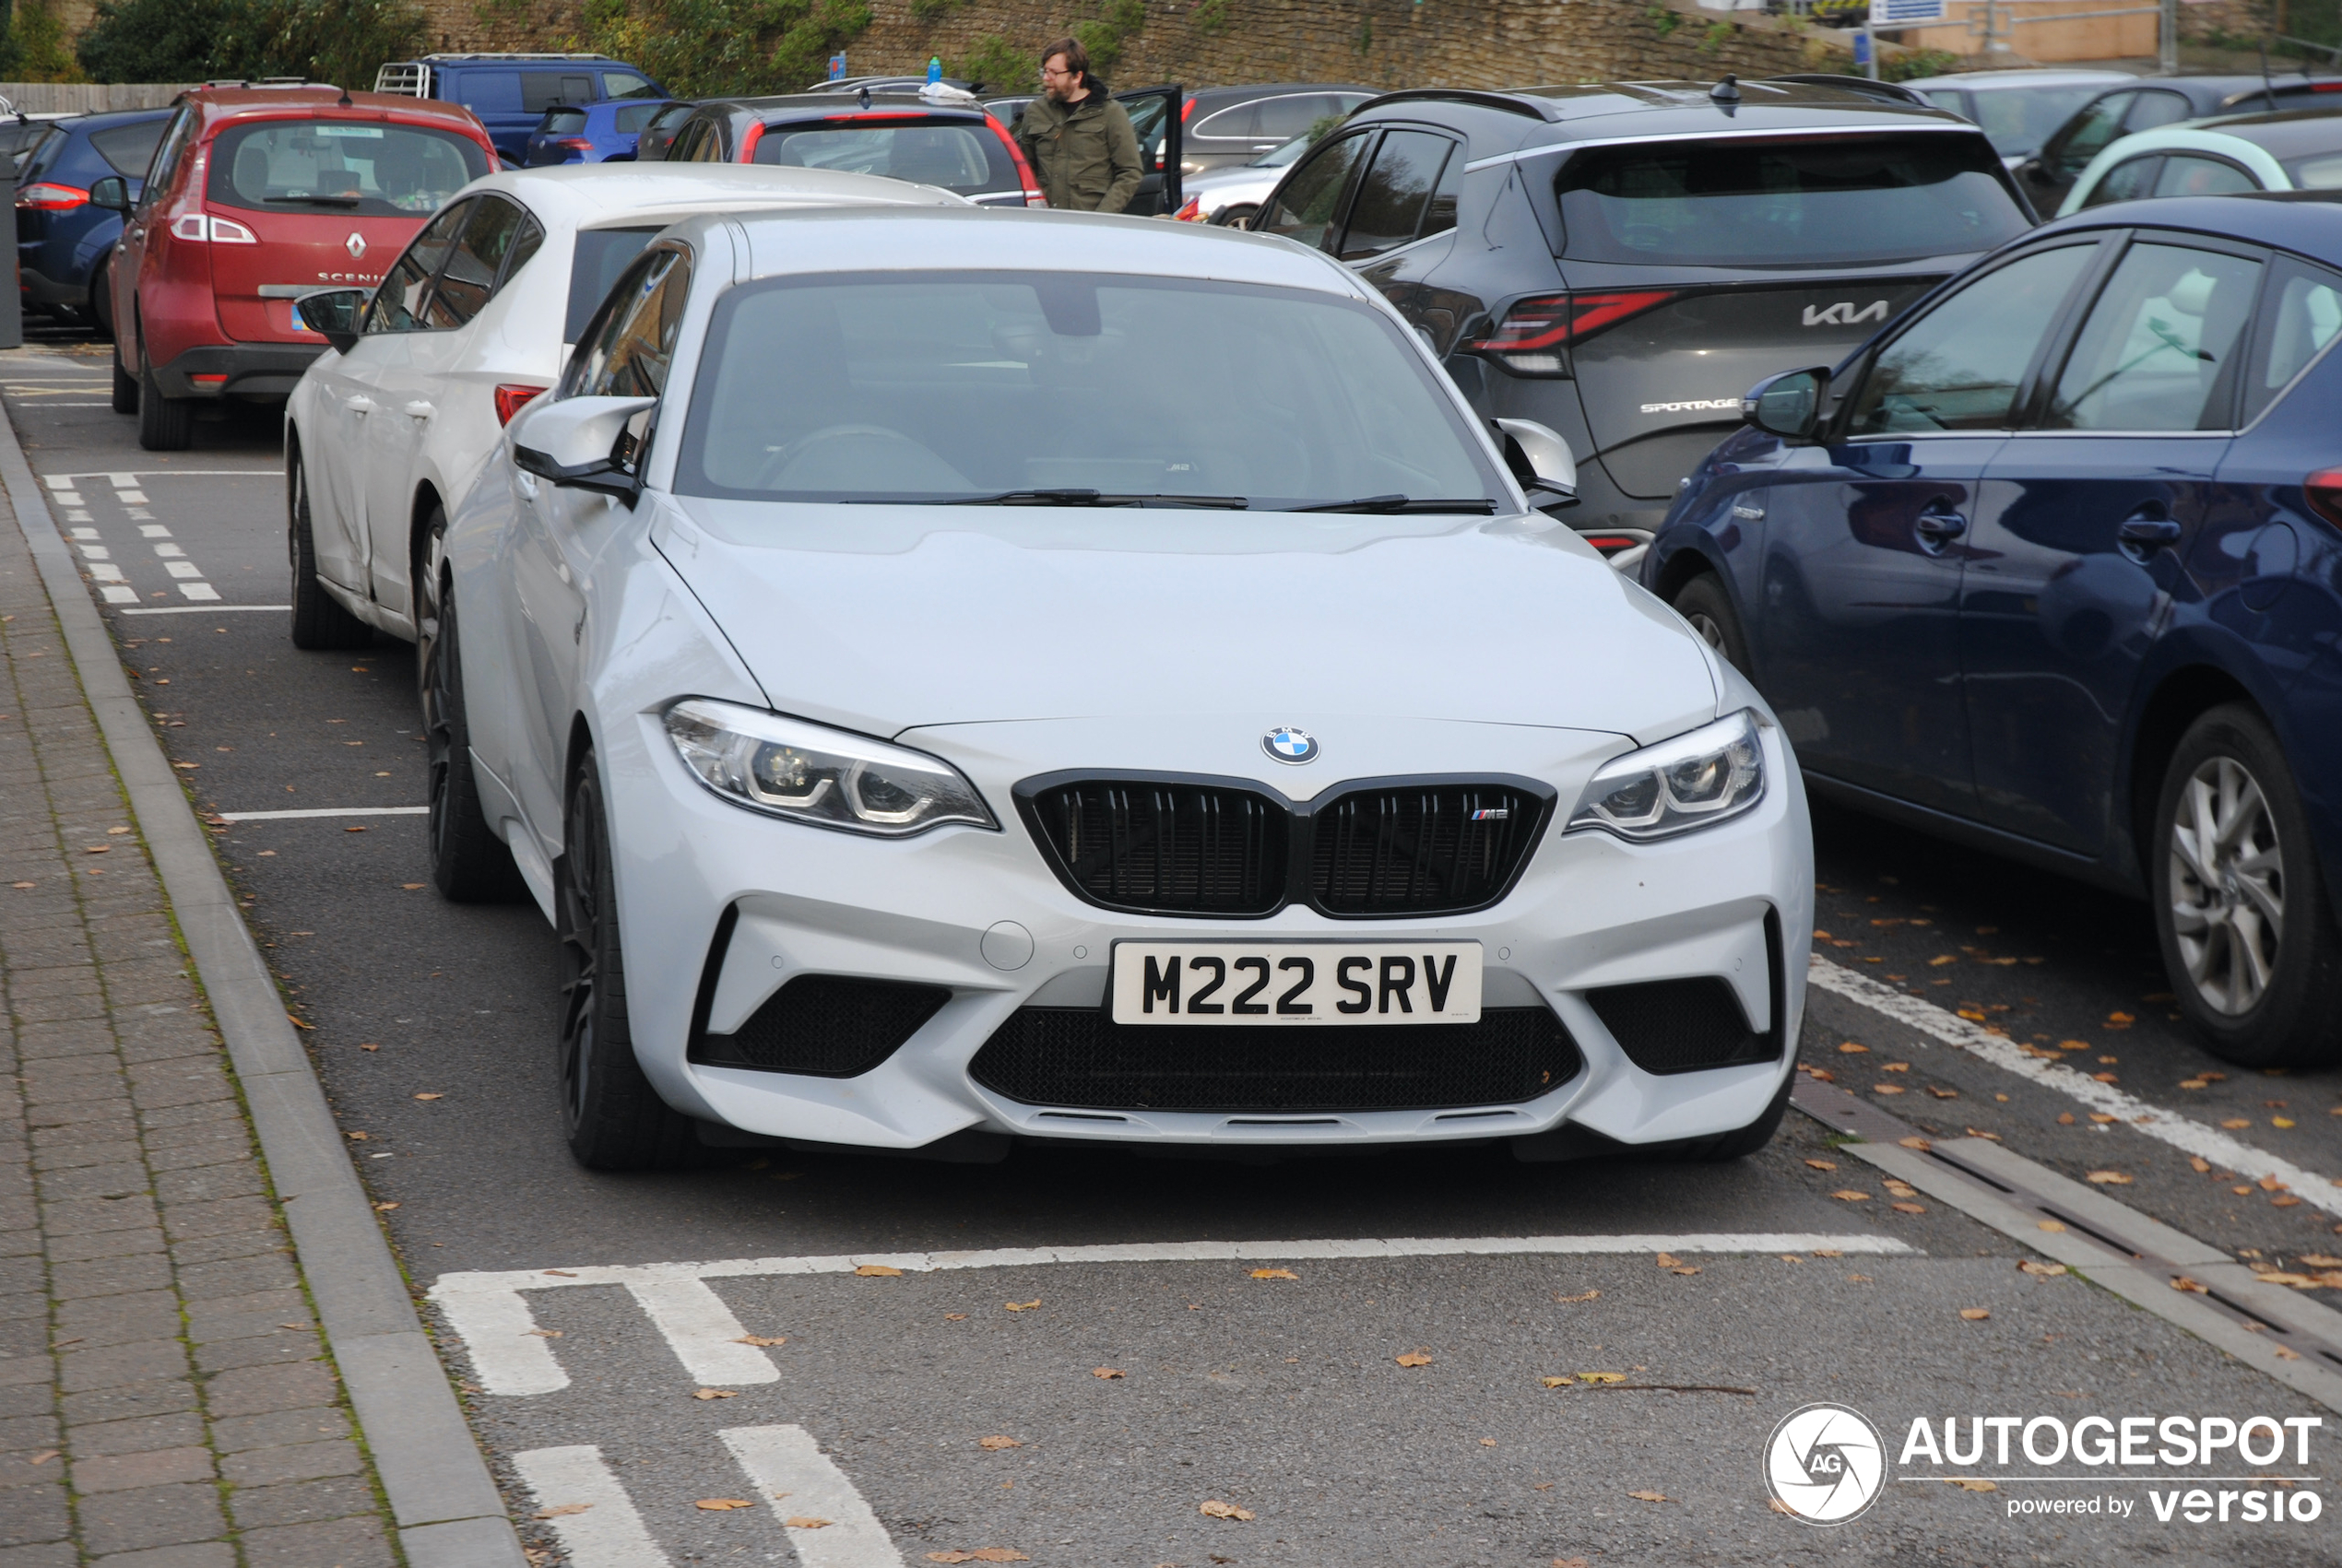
392, 423
935, 704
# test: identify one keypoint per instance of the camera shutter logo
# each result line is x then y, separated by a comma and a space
1824, 1464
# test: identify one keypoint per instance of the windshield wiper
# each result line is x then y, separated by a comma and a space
318, 201
1098, 498
1387, 503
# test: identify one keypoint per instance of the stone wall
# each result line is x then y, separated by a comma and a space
1387, 43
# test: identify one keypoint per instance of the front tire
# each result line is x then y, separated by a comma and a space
1703, 602
100, 310
165, 424
125, 390
468, 862
318, 619
2249, 938
614, 1120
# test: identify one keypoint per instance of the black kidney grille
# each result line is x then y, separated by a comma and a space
1195, 849
1078, 1057
1419, 849
825, 1026
1680, 1026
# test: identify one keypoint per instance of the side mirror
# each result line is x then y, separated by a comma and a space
1788, 404
112, 193
587, 443
1540, 460
332, 313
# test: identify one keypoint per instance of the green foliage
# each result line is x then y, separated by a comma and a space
1102, 35
1718, 34
184, 40
1914, 63
710, 48
933, 11
1364, 42
1209, 19
33, 45
1663, 21
1322, 125
999, 65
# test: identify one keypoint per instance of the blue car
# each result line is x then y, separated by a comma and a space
596, 132
2052, 566
65, 244
510, 93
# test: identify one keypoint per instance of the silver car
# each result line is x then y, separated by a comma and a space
1230, 196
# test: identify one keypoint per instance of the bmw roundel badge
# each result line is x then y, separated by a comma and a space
1287, 744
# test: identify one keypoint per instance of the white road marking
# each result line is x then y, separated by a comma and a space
67, 481
198, 590
490, 1315
115, 594
2179, 1132
131, 498
605, 1531
153, 531
320, 811
68, 498
701, 1331
93, 552
183, 568
214, 609
168, 552
797, 1480
106, 571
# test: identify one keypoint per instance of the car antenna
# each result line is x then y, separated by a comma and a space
1727, 90
343, 102
864, 95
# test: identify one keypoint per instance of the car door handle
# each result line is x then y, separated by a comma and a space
358, 404
2148, 533
1941, 526
419, 409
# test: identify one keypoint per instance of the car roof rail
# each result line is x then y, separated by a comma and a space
517, 54
265, 82
1509, 103
1862, 86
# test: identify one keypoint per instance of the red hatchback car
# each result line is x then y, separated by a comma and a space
258, 195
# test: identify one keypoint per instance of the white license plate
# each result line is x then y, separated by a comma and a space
1295, 982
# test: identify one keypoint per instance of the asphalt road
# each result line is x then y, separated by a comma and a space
432, 1026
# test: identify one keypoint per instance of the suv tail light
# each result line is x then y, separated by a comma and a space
1536, 335
574, 144
43, 195
1192, 212
199, 226
1033, 197
2323, 489
512, 398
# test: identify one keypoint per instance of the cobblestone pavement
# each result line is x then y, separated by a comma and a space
165, 1401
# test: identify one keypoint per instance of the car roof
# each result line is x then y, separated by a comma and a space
109, 119
600, 195
224, 103
971, 238
2289, 132
2312, 228
1277, 90
833, 105
1989, 81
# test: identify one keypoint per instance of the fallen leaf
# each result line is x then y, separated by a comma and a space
2105, 1078
1940, 959
353, 829
370, 1047
2065, 1118
2194, 1083
1849, 1048
1650, 1496
2285, 1354
385, 1207
42, 1457
1942, 1094
1412, 1358
1887, 1088
2108, 1178
1987, 1137
1823, 1165
1973, 1483
2044, 1269
2281, 1121
1848, 1195
1894, 1067
2319, 1260
1859, 1279
1274, 1274
803, 1522
1107, 1372
2052, 1225
956, 1317
2337, 1108
1601, 1377
1828, 1252
723, 1504
981, 1554
1918, 1143
1487, 1443
714, 1394
762, 1339
2198, 1163
563, 1511
97, 849
2237, 1121
1975, 1314
1219, 1510
1555, 1382
413, 887
1819, 1075
2287, 1201
186, 767
2241, 1191
431, 1097
1908, 1207
297, 1024
2103, 1119
562, 1273
998, 1443
1775, 1503
357, 1137
2270, 1183
1581, 1296
878, 1271
1669, 1260
2181, 1282
1021, 1306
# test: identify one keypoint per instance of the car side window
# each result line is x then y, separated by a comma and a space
1959, 366
2087, 134
2126, 182
2300, 317
398, 303
2157, 108
705, 146
168, 152
627, 351
2186, 175
2155, 352
469, 279
1308, 206
1394, 198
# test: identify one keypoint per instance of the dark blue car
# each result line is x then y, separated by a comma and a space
2052, 566
593, 132
63, 244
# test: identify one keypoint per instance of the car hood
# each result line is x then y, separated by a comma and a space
880, 619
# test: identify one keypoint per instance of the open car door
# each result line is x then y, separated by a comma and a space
1154, 116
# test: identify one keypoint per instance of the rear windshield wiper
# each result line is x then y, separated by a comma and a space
318, 201
1479, 503
1098, 498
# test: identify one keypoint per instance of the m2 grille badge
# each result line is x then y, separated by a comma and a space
355, 245
1287, 744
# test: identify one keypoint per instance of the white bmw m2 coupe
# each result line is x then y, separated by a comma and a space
952, 675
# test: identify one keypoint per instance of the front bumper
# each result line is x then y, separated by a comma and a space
980, 914
244, 370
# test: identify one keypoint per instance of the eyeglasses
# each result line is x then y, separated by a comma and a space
1053, 71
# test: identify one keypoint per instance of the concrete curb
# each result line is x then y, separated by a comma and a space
443, 1504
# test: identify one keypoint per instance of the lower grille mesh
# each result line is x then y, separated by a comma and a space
1078, 1057
1680, 1026
825, 1026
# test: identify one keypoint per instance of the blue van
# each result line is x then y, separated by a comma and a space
511, 92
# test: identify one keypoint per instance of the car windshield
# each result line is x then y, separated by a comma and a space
1730, 202
341, 166
2018, 120
1069, 389
962, 156
1289, 153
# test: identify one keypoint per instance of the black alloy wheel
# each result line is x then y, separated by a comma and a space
2249, 936
165, 424
612, 1117
468, 862
319, 620
1703, 602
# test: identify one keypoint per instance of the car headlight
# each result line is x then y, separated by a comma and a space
808, 774
1698, 778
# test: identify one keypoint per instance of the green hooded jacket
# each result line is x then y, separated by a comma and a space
1086, 154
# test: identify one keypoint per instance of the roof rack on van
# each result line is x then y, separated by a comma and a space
1511, 103
265, 82
572, 55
